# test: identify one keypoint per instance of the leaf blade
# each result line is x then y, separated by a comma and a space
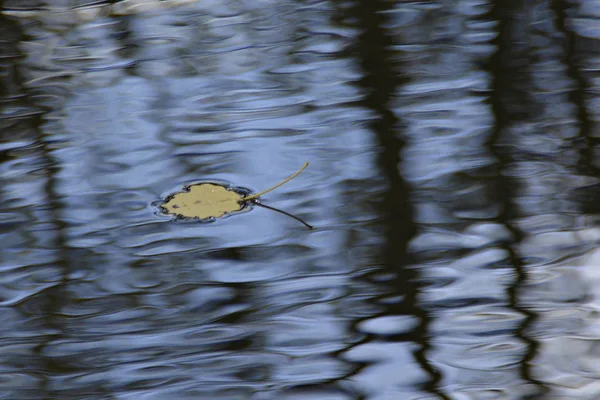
203, 201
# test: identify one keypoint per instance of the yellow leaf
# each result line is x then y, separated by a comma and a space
203, 201
207, 200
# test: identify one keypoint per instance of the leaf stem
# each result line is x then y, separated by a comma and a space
283, 212
257, 195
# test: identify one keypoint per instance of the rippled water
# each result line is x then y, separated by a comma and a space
453, 187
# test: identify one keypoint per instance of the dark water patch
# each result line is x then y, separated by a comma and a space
451, 173
383, 75
544, 154
578, 96
509, 70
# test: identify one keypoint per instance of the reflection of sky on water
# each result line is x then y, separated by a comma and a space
107, 108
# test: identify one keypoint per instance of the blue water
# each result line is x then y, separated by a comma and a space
453, 186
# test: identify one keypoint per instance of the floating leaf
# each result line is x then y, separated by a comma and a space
203, 201
208, 200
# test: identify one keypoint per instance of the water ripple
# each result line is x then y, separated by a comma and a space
451, 185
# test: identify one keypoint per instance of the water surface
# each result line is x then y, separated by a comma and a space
453, 186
